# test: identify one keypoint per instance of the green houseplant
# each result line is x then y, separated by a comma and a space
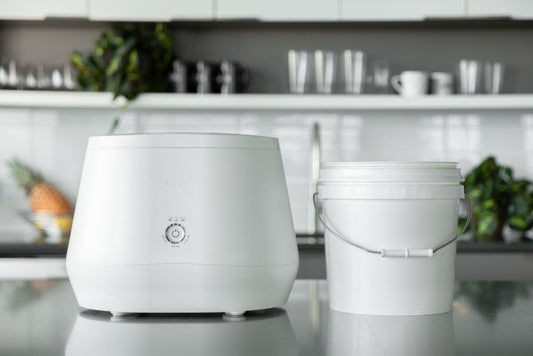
498, 199
127, 60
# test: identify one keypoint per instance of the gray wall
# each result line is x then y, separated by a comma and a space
262, 47
47, 42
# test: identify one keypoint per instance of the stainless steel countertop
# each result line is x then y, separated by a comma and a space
488, 318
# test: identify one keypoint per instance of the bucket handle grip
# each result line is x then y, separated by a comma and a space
405, 252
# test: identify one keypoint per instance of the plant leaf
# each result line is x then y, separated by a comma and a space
487, 225
518, 223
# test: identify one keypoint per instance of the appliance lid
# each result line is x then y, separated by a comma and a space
183, 140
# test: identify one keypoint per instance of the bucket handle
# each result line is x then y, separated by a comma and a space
406, 252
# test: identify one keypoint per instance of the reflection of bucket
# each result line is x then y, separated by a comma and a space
390, 235
350, 334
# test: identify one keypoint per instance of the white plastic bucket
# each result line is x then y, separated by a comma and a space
390, 232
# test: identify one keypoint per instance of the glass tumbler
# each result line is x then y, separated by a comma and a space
469, 76
325, 64
354, 63
493, 77
298, 62
381, 75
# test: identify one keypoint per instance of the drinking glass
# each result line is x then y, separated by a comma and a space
469, 76
56, 78
381, 75
324, 71
69, 81
493, 77
12, 75
29, 78
354, 63
298, 62
3, 74
43, 77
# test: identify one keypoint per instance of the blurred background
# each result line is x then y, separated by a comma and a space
344, 80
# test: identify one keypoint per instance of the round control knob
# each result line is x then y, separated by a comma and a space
175, 233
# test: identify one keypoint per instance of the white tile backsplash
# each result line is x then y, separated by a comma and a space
55, 141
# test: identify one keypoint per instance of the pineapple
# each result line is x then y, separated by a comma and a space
43, 197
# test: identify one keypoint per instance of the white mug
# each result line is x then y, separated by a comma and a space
411, 83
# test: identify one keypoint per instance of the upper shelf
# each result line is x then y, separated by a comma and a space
262, 102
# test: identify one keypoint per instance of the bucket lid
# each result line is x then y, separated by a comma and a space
183, 140
390, 180
390, 172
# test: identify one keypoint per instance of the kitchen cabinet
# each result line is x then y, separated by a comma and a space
406, 10
517, 9
264, 10
152, 10
279, 10
42, 9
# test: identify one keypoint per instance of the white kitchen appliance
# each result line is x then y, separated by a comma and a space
182, 222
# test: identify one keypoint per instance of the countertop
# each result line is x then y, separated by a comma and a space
41, 317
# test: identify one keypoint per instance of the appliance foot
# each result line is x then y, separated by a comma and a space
234, 315
119, 314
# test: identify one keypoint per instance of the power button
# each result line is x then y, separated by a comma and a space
175, 233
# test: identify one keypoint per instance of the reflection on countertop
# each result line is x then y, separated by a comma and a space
351, 334
488, 298
488, 318
260, 333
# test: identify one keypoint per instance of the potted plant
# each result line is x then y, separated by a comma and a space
498, 201
127, 60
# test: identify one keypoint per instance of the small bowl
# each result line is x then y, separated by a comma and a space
52, 226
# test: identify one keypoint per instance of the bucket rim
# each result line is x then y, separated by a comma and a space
349, 182
389, 191
393, 164
390, 172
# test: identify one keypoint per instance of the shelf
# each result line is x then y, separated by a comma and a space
263, 102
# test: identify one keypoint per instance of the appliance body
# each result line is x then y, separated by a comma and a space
168, 223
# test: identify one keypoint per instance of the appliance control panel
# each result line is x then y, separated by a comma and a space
175, 233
